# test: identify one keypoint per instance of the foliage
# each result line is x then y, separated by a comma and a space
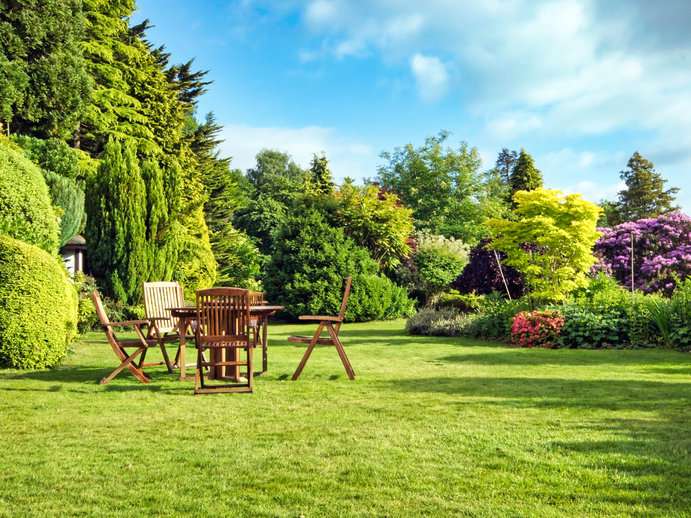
495, 319
319, 178
25, 209
482, 275
68, 198
438, 322
505, 164
38, 314
550, 241
87, 320
376, 221
443, 187
196, 267
536, 328
524, 175
56, 156
44, 86
661, 252
116, 223
672, 316
308, 266
376, 297
645, 195
238, 259
277, 177
463, 302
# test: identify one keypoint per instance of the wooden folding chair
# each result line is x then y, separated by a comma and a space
332, 326
159, 297
223, 328
141, 344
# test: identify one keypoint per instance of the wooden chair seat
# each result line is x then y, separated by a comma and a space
330, 324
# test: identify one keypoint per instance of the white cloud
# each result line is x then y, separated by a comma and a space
430, 75
347, 157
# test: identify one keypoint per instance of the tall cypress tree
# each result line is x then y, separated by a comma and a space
524, 176
645, 195
116, 223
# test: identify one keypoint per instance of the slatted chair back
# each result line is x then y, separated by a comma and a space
223, 317
223, 326
103, 318
256, 298
158, 298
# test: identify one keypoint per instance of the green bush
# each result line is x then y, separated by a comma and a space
672, 316
38, 314
494, 320
436, 262
26, 212
308, 265
375, 297
439, 322
56, 156
463, 302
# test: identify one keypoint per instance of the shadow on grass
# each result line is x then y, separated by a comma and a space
573, 357
640, 395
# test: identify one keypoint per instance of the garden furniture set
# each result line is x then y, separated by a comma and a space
226, 324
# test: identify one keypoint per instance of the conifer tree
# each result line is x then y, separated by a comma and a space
645, 195
116, 223
524, 176
320, 180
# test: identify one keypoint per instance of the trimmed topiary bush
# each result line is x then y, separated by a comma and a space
25, 209
38, 314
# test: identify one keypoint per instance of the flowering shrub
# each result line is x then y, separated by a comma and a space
661, 252
536, 328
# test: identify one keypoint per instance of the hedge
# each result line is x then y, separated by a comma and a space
38, 314
26, 212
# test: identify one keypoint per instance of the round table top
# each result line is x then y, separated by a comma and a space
191, 311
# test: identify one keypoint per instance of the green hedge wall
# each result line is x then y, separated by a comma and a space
38, 314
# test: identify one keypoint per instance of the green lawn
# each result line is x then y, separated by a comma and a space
432, 426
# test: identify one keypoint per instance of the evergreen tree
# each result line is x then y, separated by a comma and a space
645, 195
524, 176
506, 161
320, 180
116, 223
44, 86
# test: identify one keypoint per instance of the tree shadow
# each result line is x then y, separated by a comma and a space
641, 395
571, 357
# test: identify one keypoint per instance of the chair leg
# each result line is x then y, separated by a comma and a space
129, 363
198, 373
341, 352
250, 371
141, 360
308, 352
166, 359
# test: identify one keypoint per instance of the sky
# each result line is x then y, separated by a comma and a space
580, 84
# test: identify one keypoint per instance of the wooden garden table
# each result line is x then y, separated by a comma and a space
187, 315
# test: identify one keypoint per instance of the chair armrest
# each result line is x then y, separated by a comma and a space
321, 318
126, 323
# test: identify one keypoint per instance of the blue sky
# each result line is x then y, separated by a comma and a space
580, 84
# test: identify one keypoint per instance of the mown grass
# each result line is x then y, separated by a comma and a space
432, 426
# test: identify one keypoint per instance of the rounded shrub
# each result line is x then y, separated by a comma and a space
26, 212
306, 271
38, 314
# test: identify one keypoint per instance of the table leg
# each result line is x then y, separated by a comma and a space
182, 324
265, 343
